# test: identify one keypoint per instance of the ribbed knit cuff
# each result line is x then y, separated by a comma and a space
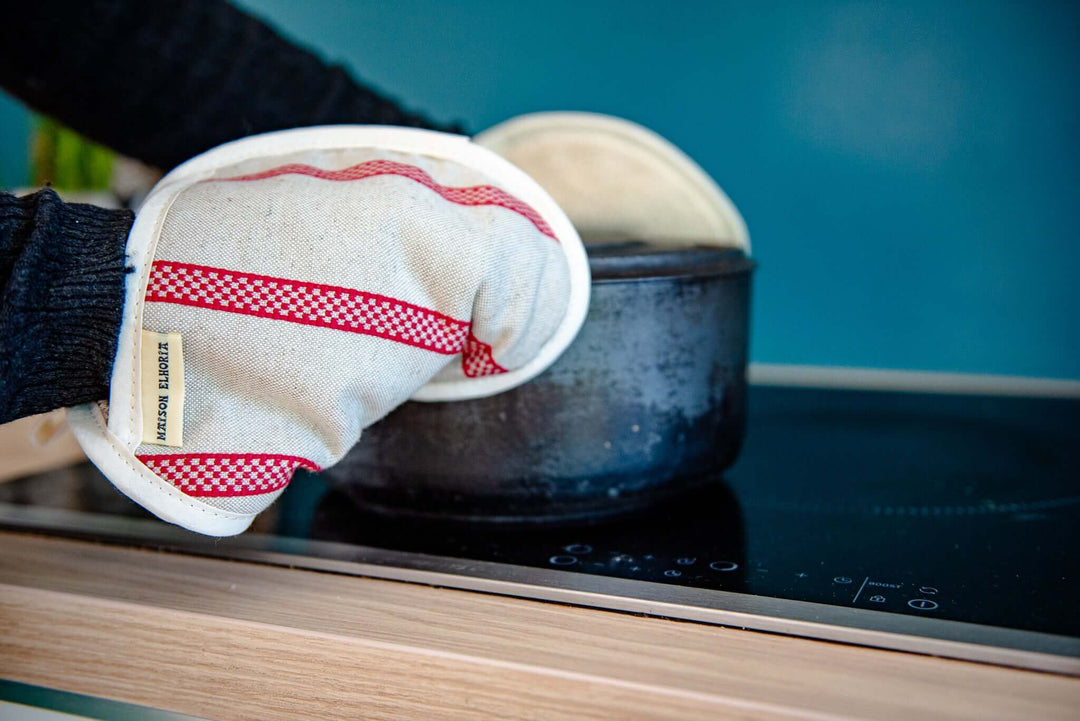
62, 272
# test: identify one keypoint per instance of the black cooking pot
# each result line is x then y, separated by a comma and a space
649, 399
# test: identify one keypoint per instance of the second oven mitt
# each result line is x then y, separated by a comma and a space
290, 289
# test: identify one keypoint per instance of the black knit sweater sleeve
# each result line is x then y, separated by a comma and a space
62, 273
165, 80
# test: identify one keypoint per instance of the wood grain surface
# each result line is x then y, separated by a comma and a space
230, 640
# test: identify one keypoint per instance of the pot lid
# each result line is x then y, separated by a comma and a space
616, 179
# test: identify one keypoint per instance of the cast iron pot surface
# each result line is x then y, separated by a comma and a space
649, 399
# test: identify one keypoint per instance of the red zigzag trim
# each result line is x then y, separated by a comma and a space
474, 195
326, 306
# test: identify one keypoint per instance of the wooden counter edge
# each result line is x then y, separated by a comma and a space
229, 640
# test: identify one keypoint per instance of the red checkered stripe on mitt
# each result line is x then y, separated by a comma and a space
472, 195
306, 303
226, 474
326, 306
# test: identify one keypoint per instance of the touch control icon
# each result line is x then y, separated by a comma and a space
562, 560
578, 548
723, 565
877, 599
842, 579
922, 604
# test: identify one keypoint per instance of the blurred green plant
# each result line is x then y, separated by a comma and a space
61, 157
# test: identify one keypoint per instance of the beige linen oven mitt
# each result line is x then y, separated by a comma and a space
290, 289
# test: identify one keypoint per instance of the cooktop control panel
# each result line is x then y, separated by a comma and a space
822, 585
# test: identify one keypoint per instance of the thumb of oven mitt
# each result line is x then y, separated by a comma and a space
290, 289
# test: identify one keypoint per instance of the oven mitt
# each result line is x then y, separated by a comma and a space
290, 289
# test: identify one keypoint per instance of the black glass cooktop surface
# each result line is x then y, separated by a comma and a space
893, 512
952, 507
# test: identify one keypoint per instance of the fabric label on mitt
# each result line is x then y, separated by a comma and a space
162, 389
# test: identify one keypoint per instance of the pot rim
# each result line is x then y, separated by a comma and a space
634, 260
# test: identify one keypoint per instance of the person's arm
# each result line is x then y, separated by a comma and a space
62, 280
163, 81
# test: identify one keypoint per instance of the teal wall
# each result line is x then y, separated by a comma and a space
14, 129
908, 170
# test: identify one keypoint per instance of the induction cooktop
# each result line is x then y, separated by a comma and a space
937, 523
